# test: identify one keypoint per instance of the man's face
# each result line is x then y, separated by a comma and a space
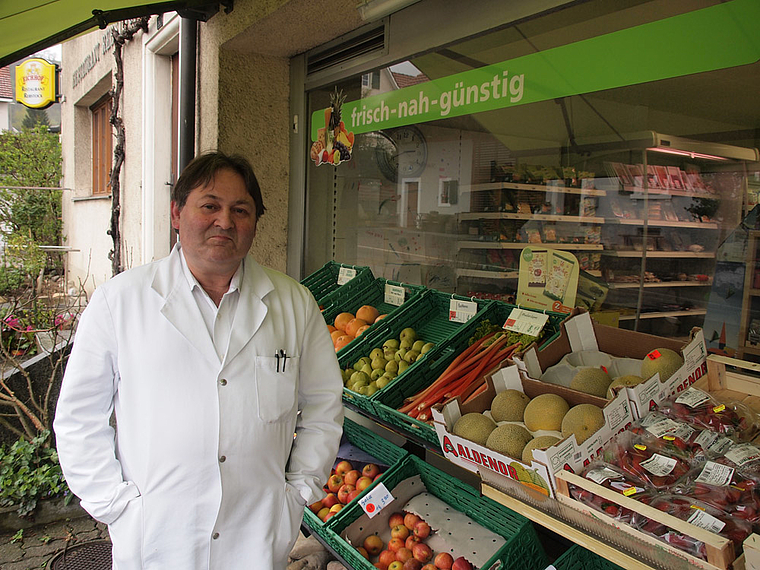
217, 224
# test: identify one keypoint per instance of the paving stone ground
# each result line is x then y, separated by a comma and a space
34, 547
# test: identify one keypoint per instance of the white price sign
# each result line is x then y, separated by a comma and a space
345, 274
462, 311
376, 500
526, 322
394, 294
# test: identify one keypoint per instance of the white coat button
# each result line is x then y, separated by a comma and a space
222, 459
215, 535
223, 382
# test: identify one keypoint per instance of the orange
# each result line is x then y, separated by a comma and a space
360, 330
367, 313
354, 325
331, 328
342, 341
381, 317
335, 334
342, 320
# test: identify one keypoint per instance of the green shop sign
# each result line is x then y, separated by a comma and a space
712, 38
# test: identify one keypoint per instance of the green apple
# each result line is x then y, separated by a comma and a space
376, 353
408, 334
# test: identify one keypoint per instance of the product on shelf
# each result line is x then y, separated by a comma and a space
612, 477
348, 326
662, 361
654, 464
343, 486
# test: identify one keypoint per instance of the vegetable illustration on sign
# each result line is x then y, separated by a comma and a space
334, 143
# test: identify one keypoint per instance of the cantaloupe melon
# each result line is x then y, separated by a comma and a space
583, 420
509, 439
540, 442
475, 427
545, 412
509, 406
627, 380
662, 360
594, 381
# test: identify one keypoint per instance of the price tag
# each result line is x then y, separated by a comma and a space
462, 311
394, 294
374, 501
526, 322
345, 274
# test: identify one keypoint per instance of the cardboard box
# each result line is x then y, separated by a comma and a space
566, 454
580, 333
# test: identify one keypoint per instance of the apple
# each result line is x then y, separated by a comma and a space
422, 552
410, 520
343, 467
394, 544
344, 492
400, 531
443, 561
421, 529
352, 495
411, 540
362, 483
316, 507
330, 515
378, 565
322, 514
386, 557
336, 508
403, 554
330, 500
363, 551
370, 470
396, 565
352, 477
377, 476
461, 564
429, 566
412, 564
396, 519
334, 483
373, 544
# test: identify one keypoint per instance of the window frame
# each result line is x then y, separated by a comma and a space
102, 145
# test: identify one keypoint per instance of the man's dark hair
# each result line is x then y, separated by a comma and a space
202, 170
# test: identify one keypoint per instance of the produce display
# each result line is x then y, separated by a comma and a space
489, 346
407, 549
348, 326
696, 466
376, 370
343, 486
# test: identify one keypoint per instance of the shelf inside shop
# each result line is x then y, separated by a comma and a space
664, 223
665, 284
754, 292
523, 245
665, 254
752, 349
665, 192
533, 217
486, 274
532, 188
663, 314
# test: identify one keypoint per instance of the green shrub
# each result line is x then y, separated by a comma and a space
29, 471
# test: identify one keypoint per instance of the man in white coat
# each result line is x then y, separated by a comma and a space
210, 363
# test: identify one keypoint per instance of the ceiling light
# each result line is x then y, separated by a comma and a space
690, 154
371, 10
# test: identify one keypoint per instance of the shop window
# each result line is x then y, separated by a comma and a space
477, 151
102, 146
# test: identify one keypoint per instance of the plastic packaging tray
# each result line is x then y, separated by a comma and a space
521, 551
323, 283
428, 315
387, 401
381, 449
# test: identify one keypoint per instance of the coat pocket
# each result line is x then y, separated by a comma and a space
289, 525
126, 536
276, 391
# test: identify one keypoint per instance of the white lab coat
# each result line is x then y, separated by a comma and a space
204, 473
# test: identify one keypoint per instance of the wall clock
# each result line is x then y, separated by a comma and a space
401, 152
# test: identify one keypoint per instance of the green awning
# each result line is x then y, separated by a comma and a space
27, 26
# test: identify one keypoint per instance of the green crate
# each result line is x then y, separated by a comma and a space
428, 315
373, 293
323, 283
384, 452
522, 550
578, 558
392, 397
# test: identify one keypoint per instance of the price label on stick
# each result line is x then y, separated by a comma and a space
376, 500
526, 322
345, 274
394, 295
462, 311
